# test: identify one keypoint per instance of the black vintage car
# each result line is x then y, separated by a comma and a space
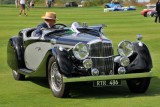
69, 54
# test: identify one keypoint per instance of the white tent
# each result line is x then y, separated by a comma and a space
141, 1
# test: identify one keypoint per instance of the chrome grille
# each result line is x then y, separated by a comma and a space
101, 54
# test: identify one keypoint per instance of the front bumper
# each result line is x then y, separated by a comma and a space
107, 77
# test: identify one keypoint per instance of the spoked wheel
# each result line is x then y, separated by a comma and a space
138, 85
55, 79
18, 76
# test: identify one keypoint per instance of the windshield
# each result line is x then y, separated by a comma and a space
69, 32
150, 6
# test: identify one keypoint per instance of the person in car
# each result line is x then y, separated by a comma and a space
49, 22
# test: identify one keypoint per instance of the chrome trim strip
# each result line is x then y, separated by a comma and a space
65, 46
101, 57
107, 77
98, 40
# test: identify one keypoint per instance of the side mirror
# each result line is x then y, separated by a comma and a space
53, 41
84, 24
139, 37
104, 25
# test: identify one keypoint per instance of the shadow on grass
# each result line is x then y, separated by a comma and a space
42, 81
85, 90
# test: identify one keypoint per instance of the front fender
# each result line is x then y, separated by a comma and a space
15, 53
63, 60
143, 60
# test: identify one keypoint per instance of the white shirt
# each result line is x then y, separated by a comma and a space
22, 1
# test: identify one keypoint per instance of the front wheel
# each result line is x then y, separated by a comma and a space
138, 85
55, 79
18, 76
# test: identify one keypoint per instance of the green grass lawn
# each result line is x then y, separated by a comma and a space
35, 92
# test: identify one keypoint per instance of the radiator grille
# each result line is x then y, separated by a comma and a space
101, 54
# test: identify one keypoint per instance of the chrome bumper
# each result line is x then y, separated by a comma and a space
107, 77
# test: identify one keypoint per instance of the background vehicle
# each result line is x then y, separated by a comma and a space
79, 54
116, 6
71, 4
149, 11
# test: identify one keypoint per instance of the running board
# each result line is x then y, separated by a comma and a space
25, 71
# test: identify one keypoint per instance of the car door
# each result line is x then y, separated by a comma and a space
34, 54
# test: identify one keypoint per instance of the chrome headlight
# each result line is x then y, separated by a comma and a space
80, 51
125, 48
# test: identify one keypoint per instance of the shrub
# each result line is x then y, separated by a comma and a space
6, 1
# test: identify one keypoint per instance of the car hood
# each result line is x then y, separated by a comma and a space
76, 38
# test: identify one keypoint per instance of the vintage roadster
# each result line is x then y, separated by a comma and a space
69, 54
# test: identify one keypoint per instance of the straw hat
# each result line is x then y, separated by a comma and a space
50, 15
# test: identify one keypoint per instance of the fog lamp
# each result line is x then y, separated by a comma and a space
87, 63
124, 61
121, 70
95, 72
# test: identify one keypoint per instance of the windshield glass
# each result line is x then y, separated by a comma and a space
69, 32
150, 6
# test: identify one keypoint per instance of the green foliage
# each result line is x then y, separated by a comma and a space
87, 2
7, 1
35, 92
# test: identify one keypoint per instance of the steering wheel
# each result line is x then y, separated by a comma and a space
59, 26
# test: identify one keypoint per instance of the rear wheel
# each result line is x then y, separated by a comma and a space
55, 79
138, 85
18, 76
145, 14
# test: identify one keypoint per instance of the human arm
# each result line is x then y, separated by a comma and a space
40, 27
18, 2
